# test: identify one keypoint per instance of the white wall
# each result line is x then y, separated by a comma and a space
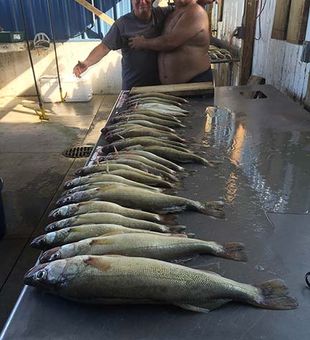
279, 61
16, 75
232, 18
276, 60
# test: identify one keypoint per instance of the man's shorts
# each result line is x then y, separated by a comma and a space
203, 77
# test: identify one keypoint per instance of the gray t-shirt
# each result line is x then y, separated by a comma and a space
139, 67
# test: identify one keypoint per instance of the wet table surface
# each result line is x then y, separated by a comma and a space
264, 144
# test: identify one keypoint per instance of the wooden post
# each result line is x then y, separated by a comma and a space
250, 12
96, 11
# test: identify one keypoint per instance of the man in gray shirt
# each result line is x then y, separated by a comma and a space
139, 67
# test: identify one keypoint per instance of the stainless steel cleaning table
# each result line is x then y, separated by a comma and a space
263, 139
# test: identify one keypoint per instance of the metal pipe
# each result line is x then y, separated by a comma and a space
55, 50
42, 115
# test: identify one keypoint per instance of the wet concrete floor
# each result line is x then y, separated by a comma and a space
264, 146
33, 168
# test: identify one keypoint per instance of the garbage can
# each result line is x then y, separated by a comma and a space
2, 217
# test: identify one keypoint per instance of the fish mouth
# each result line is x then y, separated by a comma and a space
38, 242
50, 255
30, 276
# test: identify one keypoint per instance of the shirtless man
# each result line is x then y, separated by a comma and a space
184, 45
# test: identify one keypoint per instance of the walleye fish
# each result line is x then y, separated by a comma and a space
118, 159
142, 132
145, 245
104, 177
100, 185
154, 120
152, 99
108, 207
139, 122
142, 159
108, 167
178, 156
161, 108
155, 158
122, 279
137, 198
160, 95
151, 113
110, 218
143, 141
103, 167
74, 234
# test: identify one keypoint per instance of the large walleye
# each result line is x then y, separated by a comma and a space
145, 245
121, 279
108, 207
74, 234
110, 218
137, 198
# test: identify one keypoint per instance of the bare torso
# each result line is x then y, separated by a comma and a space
185, 62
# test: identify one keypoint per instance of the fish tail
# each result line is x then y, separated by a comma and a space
274, 295
167, 219
214, 208
211, 164
234, 251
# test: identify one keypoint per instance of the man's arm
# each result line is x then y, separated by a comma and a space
190, 24
94, 56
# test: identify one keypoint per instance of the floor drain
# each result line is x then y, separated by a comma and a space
78, 152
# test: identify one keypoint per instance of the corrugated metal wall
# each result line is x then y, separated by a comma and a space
70, 19
232, 17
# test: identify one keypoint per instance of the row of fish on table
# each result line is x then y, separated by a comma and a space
115, 239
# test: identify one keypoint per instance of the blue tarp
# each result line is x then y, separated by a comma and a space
69, 18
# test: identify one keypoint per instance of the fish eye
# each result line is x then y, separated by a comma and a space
41, 274
55, 256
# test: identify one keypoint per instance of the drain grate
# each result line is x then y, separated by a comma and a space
78, 152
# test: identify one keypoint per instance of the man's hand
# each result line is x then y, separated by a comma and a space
79, 68
137, 42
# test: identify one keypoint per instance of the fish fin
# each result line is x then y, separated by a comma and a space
274, 295
205, 307
214, 208
211, 164
183, 259
192, 308
234, 251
